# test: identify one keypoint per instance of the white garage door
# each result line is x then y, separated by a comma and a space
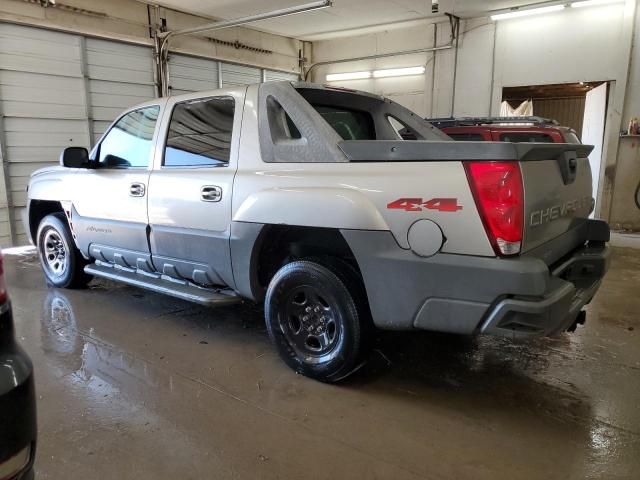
274, 76
235, 75
120, 75
191, 74
47, 103
43, 108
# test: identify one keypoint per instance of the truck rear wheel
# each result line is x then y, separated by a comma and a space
61, 261
318, 318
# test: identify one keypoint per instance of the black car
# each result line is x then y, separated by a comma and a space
17, 399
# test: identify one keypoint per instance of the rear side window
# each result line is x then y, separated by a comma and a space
526, 137
402, 130
407, 134
349, 124
200, 133
467, 137
282, 126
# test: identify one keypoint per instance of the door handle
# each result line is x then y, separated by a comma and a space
210, 193
136, 189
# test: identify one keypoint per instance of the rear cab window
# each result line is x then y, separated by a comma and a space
305, 123
358, 116
350, 124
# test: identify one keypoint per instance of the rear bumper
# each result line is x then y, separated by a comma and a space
518, 297
571, 286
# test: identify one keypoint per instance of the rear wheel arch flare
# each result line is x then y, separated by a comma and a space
280, 244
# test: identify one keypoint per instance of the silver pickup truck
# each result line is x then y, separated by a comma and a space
305, 197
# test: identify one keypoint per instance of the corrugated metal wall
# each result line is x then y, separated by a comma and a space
567, 111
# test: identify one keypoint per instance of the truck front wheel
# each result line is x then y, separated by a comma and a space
318, 318
61, 261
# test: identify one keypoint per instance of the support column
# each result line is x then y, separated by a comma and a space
607, 174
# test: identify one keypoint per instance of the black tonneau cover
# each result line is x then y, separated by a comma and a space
430, 151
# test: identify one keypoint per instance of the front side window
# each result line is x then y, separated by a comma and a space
200, 133
129, 142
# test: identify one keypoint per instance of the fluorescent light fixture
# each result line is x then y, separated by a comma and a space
398, 72
527, 12
389, 72
593, 3
336, 77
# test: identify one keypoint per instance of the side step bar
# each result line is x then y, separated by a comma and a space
157, 283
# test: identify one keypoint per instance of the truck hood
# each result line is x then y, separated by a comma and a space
48, 169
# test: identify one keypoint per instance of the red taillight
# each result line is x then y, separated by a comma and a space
3, 287
497, 189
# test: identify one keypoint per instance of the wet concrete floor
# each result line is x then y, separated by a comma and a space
136, 385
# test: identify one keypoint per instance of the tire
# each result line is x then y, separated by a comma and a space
318, 318
61, 261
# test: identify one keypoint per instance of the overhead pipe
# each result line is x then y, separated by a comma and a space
456, 28
453, 20
165, 37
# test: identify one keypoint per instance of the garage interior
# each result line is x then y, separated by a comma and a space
564, 103
133, 384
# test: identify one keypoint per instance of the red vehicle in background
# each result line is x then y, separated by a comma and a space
503, 129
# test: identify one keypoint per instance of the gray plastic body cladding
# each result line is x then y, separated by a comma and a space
450, 315
439, 151
200, 255
112, 238
560, 305
318, 142
404, 290
244, 245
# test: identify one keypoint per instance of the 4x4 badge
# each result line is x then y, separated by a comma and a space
418, 204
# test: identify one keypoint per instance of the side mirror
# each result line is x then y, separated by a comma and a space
75, 157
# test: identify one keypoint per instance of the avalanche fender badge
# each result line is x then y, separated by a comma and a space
418, 204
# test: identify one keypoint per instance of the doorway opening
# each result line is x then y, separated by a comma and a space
581, 106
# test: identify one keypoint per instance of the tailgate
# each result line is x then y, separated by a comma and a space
557, 193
